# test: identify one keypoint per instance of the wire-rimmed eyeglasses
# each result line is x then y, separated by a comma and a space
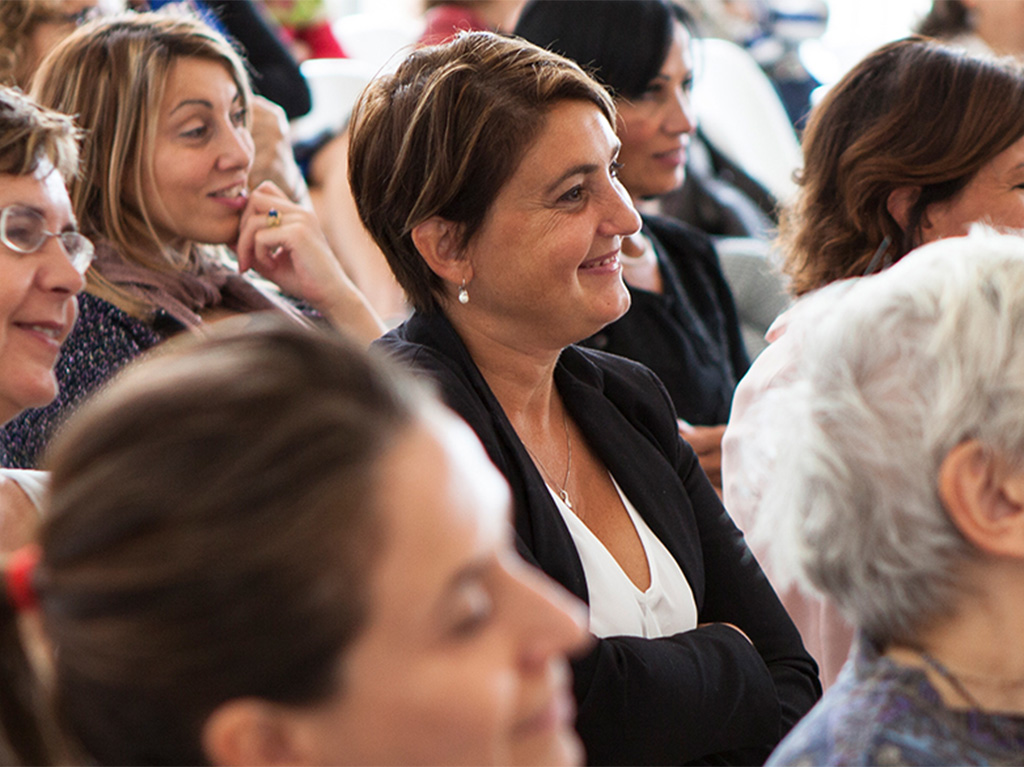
23, 230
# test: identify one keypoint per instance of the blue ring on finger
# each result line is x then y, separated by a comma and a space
273, 218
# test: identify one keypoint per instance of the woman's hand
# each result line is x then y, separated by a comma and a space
706, 442
289, 249
274, 160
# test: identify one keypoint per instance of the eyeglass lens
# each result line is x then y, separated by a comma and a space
24, 230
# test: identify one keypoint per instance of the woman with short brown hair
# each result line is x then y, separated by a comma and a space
486, 169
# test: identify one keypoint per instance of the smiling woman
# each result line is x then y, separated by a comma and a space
163, 191
487, 170
682, 322
42, 258
203, 150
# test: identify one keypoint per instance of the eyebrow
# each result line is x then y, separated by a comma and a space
583, 169
70, 226
204, 102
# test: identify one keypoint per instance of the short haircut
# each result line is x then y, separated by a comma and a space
31, 134
912, 113
623, 43
895, 371
444, 133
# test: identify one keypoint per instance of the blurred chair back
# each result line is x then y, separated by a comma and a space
742, 116
376, 38
334, 85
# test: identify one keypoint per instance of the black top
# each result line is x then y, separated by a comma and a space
702, 696
689, 334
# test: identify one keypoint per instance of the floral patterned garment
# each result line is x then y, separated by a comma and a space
882, 713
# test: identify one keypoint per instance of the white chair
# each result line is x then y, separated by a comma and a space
758, 287
376, 38
742, 115
334, 85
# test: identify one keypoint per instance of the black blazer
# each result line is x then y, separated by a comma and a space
706, 695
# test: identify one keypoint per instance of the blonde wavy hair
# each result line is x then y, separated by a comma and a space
110, 74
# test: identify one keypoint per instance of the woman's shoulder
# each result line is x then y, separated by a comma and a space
101, 322
878, 712
631, 387
430, 347
21, 498
427, 343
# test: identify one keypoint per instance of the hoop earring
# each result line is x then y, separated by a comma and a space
463, 294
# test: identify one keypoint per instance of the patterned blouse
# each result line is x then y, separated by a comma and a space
883, 713
103, 341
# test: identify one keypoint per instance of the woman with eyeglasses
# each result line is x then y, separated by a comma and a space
42, 260
164, 193
914, 144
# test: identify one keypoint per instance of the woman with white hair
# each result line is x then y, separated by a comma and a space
901, 498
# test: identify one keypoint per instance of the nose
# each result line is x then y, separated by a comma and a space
551, 621
680, 116
620, 217
56, 272
237, 148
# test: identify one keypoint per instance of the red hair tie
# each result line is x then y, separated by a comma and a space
18, 578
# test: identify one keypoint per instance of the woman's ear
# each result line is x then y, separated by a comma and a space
439, 242
984, 496
249, 731
900, 201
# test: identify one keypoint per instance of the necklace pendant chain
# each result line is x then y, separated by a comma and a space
562, 490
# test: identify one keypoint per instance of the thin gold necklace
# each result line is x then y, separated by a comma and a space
561, 488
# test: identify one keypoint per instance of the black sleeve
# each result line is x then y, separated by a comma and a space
738, 592
706, 696
275, 73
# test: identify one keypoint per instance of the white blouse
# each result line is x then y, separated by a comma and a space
34, 483
617, 606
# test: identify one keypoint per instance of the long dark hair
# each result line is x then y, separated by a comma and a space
623, 43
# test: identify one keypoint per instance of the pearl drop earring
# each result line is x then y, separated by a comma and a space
463, 293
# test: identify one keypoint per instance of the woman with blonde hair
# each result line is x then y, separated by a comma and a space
163, 188
42, 259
